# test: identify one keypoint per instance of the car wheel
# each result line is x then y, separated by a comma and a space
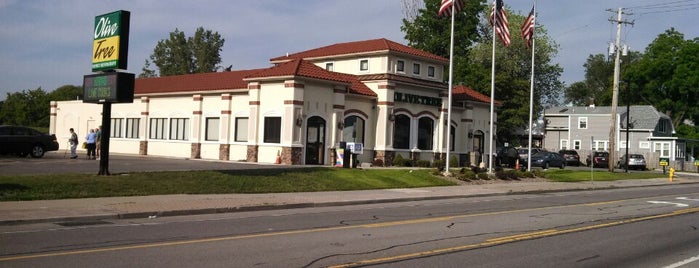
545, 166
563, 165
37, 151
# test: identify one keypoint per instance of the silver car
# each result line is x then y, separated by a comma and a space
636, 161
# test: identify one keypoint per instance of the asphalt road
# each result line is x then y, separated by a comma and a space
59, 162
630, 227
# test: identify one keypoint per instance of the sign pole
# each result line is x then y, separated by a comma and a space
104, 139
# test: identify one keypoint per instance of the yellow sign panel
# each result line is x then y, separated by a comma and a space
106, 49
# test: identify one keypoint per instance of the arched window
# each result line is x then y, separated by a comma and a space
401, 132
354, 129
425, 133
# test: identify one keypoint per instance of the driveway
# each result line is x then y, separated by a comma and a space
59, 162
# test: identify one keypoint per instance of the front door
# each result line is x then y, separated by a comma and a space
315, 141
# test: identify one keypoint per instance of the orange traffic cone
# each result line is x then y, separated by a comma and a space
279, 159
517, 165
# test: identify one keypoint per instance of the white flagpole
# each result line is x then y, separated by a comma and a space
451, 75
492, 93
531, 94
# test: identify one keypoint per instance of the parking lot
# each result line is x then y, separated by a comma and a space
59, 162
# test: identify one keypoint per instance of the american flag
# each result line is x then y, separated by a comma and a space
445, 8
528, 28
498, 16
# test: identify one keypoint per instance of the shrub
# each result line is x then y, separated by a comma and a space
466, 176
401, 162
377, 163
539, 173
439, 163
475, 169
453, 161
512, 174
423, 163
483, 176
501, 175
525, 174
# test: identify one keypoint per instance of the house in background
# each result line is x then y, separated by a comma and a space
586, 129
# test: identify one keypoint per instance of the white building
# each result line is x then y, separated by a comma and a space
388, 96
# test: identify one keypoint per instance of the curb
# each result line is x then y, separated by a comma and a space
87, 219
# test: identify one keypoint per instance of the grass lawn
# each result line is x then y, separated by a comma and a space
62, 186
577, 175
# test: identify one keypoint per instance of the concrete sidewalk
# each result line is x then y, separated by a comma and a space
21, 212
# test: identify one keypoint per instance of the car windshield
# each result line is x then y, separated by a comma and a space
636, 156
601, 154
540, 154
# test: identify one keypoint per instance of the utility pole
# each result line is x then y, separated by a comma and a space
615, 89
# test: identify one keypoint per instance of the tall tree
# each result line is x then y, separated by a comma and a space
432, 33
597, 86
206, 49
667, 76
182, 55
513, 74
67, 92
27, 108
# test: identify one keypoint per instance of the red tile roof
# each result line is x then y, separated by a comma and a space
302, 68
462, 92
193, 82
366, 46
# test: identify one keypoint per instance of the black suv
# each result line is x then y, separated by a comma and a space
25, 141
571, 156
598, 159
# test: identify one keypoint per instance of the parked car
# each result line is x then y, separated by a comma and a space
572, 157
636, 161
523, 152
598, 159
507, 156
25, 141
545, 160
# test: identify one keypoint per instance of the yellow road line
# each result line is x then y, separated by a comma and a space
238, 237
509, 239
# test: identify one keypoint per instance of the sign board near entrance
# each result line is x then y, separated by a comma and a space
108, 87
355, 147
664, 162
110, 46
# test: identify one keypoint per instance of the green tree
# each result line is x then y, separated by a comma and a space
667, 76
182, 55
513, 74
598, 83
27, 108
432, 33
67, 92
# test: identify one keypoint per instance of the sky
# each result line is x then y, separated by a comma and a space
48, 43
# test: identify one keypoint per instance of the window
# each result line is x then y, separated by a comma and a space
564, 144
364, 65
416, 68
354, 129
273, 130
662, 128
582, 123
401, 132
600, 145
212, 126
329, 66
157, 128
241, 129
662, 148
117, 127
430, 71
644, 145
179, 128
400, 66
425, 133
577, 144
132, 127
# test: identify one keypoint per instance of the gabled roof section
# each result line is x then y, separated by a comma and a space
359, 47
302, 68
193, 82
462, 92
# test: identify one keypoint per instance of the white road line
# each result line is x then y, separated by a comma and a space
670, 203
684, 262
685, 198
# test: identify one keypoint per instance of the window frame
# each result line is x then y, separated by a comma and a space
431, 71
209, 134
132, 128
272, 129
400, 66
401, 131
364, 65
583, 122
425, 133
179, 129
238, 134
157, 128
416, 68
117, 125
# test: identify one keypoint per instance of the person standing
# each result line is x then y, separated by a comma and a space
73, 140
98, 133
91, 139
